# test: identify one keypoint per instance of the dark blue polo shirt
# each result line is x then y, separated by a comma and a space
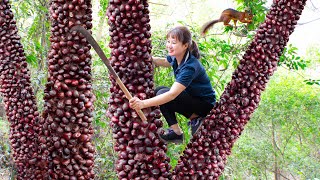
193, 76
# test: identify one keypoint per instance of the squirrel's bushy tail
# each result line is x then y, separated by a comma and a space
208, 25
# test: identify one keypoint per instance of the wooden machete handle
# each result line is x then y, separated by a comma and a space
105, 60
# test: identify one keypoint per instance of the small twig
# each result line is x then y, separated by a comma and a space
264, 132
281, 175
160, 4
274, 142
315, 8
213, 34
287, 141
223, 71
268, 169
294, 71
157, 14
292, 176
228, 61
300, 24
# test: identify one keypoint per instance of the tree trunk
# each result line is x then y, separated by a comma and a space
141, 153
275, 150
19, 101
68, 94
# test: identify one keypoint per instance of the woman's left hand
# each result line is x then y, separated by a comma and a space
136, 103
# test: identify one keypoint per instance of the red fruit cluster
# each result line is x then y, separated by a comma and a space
206, 154
19, 100
68, 94
141, 153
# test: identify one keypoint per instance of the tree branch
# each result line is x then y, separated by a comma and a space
315, 8
300, 24
158, 4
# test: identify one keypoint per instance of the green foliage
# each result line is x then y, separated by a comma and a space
33, 26
105, 155
256, 7
313, 55
103, 142
289, 113
5, 149
103, 5
312, 81
291, 60
220, 57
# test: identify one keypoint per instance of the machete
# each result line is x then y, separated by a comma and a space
105, 60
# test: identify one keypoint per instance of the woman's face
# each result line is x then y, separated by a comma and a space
175, 47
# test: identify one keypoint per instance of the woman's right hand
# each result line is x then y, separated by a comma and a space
157, 61
136, 104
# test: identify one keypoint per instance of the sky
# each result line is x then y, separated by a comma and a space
196, 11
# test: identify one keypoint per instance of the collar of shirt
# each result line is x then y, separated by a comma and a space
185, 58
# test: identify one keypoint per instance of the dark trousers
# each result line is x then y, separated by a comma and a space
183, 104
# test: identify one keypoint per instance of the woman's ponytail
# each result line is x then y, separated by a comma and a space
194, 50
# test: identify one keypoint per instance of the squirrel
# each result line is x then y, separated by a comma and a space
226, 16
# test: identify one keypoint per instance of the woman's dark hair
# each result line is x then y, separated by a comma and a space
182, 34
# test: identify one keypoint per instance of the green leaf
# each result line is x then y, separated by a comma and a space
43, 9
31, 59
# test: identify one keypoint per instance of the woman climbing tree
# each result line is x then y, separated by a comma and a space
190, 95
